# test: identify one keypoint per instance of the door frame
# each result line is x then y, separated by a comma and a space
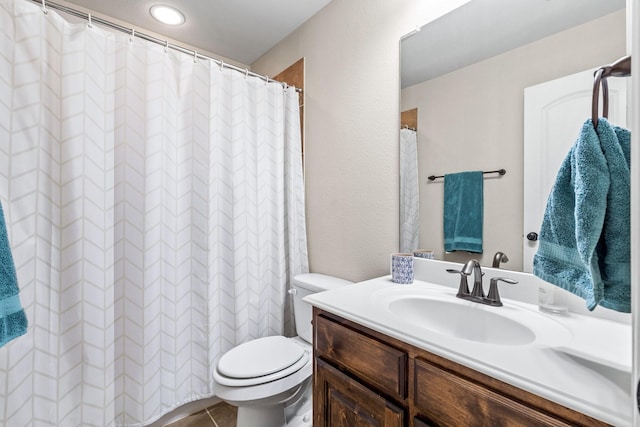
633, 33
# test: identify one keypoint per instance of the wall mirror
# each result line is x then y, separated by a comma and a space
465, 74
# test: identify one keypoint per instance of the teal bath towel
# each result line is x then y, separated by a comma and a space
584, 244
13, 321
463, 211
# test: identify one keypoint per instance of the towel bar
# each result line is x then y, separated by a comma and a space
499, 171
620, 68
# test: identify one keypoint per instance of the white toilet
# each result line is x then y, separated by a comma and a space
269, 379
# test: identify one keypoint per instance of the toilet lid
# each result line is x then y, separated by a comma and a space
260, 357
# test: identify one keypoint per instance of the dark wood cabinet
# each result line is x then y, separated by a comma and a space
347, 403
419, 423
454, 401
379, 365
365, 378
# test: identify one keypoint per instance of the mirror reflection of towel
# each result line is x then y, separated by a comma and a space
584, 242
13, 321
463, 211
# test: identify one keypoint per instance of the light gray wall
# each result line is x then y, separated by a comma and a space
473, 119
351, 51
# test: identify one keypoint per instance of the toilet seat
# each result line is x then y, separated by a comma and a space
259, 361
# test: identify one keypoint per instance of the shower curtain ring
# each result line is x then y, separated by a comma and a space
166, 46
246, 73
89, 19
221, 65
44, 7
133, 34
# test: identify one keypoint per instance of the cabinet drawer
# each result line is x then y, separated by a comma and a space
454, 401
375, 363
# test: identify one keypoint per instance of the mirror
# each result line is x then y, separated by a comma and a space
465, 74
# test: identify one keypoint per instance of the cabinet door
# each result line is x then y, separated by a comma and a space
340, 401
451, 401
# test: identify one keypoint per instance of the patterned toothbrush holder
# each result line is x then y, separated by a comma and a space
402, 268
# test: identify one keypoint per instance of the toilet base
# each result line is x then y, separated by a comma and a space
274, 417
300, 412
291, 411
261, 416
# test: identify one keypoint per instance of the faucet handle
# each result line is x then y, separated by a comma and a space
463, 288
493, 298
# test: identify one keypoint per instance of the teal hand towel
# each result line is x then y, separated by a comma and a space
584, 244
13, 321
463, 211
614, 247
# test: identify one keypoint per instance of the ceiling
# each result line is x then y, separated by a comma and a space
481, 29
241, 30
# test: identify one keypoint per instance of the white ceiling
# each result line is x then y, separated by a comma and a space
241, 30
481, 29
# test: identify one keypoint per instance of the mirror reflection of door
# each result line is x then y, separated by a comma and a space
554, 112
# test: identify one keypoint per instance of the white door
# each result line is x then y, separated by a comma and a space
554, 112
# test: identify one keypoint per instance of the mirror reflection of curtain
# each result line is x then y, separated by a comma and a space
409, 198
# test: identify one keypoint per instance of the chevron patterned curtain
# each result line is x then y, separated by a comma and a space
409, 192
155, 210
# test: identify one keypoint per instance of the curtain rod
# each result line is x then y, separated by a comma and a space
499, 171
93, 19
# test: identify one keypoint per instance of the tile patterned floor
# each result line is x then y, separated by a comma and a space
220, 415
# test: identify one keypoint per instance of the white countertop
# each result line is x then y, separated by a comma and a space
586, 366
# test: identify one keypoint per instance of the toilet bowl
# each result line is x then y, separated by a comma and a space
265, 376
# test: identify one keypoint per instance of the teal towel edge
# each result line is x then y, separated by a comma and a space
569, 274
10, 305
617, 306
13, 326
468, 246
566, 284
563, 267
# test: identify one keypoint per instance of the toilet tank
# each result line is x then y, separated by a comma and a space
307, 284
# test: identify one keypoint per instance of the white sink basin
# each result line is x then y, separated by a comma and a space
468, 321
439, 311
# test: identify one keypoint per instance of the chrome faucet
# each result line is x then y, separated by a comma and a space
498, 258
477, 294
463, 288
474, 266
493, 297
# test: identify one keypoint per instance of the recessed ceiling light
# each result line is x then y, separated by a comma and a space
167, 14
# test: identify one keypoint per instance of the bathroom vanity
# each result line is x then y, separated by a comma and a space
364, 378
378, 363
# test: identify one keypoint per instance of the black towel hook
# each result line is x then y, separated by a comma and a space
620, 68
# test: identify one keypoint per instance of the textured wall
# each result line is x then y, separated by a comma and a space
351, 51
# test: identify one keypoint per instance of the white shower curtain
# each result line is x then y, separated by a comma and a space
409, 192
156, 214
